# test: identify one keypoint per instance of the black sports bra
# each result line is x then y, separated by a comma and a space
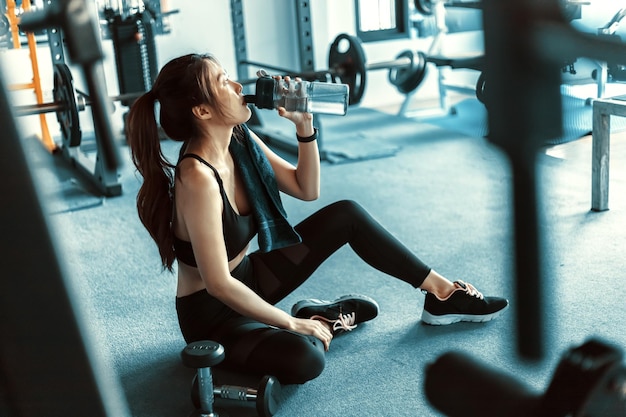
238, 229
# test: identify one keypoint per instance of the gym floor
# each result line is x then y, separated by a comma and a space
446, 195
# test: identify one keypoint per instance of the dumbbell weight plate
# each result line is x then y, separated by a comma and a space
63, 93
408, 78
268, 396
425, 7
346, 61
202, 354
5, 26
480, 88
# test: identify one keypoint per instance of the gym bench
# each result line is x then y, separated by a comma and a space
603, 109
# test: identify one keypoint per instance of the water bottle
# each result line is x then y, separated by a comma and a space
303, 96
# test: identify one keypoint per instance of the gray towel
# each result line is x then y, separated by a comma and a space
257, 174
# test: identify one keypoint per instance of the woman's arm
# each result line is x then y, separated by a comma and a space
303, 180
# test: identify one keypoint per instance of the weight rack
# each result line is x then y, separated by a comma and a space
304, 34
98, 174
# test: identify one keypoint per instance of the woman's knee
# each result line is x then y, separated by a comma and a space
304, 360
348, 211
290, 357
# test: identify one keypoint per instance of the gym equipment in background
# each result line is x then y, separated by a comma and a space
50, 365
135, 52
204, 354
348, 65
523, 63
589, 381
132, 29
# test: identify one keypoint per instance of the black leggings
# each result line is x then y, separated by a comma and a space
255, 348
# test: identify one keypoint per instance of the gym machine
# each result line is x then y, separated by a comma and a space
132, 30
50, 365
204, 354
523, 65
437, 10
99, 175
347, 64
589, 381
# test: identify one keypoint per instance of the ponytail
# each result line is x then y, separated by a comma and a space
154, 199
182, 83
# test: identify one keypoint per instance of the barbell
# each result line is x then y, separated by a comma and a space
67, 104
347, 64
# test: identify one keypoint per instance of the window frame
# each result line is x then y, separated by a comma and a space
401, 29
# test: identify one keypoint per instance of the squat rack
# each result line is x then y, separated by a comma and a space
304, 35
35, 83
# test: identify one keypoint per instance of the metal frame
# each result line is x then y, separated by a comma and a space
305, 35
93, 170
239, 37
307, 63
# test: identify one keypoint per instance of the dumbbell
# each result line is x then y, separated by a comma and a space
202, 355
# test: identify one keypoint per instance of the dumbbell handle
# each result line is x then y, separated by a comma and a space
205, 389
233, 392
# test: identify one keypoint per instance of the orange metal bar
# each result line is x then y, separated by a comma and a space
46, 138
15, 35
32, 46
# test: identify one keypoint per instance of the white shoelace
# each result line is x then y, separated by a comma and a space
470, 289
343, 322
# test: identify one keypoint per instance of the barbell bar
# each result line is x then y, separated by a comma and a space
82, 101
67, 103
347, 64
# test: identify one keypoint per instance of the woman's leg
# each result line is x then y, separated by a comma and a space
257, 349
323, 233
251, 347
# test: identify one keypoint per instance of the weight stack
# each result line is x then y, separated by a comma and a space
135, 53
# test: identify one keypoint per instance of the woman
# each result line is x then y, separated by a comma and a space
204, 211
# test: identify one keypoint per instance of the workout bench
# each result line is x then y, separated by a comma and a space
603, 109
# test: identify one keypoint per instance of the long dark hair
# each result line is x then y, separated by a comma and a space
181, 84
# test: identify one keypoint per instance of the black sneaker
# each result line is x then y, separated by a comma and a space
344, 313
464, 304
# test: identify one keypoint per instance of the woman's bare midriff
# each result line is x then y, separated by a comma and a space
190, 281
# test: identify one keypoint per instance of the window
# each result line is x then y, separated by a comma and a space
381, 19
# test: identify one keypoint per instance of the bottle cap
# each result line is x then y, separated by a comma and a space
264, 98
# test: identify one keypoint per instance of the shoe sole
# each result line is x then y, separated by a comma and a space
457, 318
312, 303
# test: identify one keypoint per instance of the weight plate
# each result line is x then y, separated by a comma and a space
408, 78
425, 7
480, 88
5, 26
67, 117
202, 354
268, 396
346, 60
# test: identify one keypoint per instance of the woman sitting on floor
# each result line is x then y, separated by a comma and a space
223, 191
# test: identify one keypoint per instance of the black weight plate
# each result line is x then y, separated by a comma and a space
63, 93
5, 25
268, 396
480, 88
202, 354
346, 61
408, 78
425, 7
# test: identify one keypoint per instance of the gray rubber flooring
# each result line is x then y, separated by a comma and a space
446, 195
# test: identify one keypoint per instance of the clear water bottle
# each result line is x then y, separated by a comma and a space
303, 96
